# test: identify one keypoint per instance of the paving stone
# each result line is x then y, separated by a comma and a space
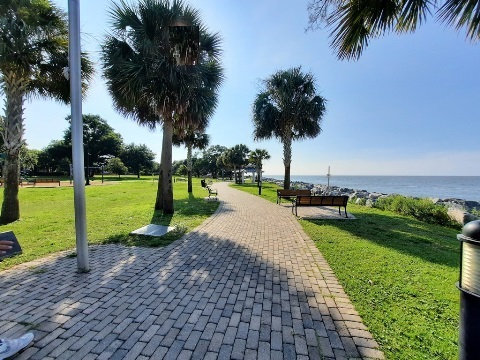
111, 348
238, 349
207, 334
276, 340
134, 351
263, 350
229, 337
301, 345
370, 353
222, 324
225, 352
287, 334
152, 345
174, 350
216, 342
265, 331
210, 356
243, 329
250, 354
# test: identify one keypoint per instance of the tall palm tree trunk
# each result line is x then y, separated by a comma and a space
189, 167
10, 205
287, 160
165, 191
14, 89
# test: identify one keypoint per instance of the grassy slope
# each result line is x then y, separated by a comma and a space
47, 220
399, 273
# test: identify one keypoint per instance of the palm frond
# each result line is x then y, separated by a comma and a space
413, 14
462, 13
357, 21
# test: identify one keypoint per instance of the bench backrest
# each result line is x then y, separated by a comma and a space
283, 192
46, 180
322, 200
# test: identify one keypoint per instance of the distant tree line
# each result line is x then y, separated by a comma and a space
221, 162
103, 148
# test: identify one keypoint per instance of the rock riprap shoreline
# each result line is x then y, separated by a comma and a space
458, 209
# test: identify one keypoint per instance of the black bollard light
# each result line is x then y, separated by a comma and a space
259, 188
469, 286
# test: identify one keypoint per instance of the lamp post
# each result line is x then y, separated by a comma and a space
259, 175
469, 286
328, 179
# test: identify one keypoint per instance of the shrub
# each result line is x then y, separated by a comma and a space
420, 209
358, 201
475, 212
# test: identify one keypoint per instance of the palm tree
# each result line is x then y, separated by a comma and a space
288, 109
355, 22
144, 79
200, 107
225, 161
238, 158
257, 156
33, 56
192, 140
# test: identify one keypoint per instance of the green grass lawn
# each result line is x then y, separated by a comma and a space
399, 273
114, 209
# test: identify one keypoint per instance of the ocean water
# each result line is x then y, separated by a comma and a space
443, 187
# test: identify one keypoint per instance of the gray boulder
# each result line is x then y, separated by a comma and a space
461, 216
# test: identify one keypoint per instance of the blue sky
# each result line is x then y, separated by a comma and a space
409, 106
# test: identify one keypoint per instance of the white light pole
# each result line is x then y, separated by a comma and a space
77, 134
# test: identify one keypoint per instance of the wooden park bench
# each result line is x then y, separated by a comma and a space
20, 182
26, 181
323, 200
45, 181
290, 194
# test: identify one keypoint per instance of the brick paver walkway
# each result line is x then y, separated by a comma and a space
246, 284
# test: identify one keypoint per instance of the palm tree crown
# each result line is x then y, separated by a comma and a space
192, 139
256, 157
288, 109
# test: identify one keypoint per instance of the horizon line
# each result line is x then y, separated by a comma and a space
331, 175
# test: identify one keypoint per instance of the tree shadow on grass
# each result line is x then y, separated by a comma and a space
432, 243
185, 209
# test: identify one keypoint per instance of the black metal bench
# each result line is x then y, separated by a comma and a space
209, 189
324, 200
